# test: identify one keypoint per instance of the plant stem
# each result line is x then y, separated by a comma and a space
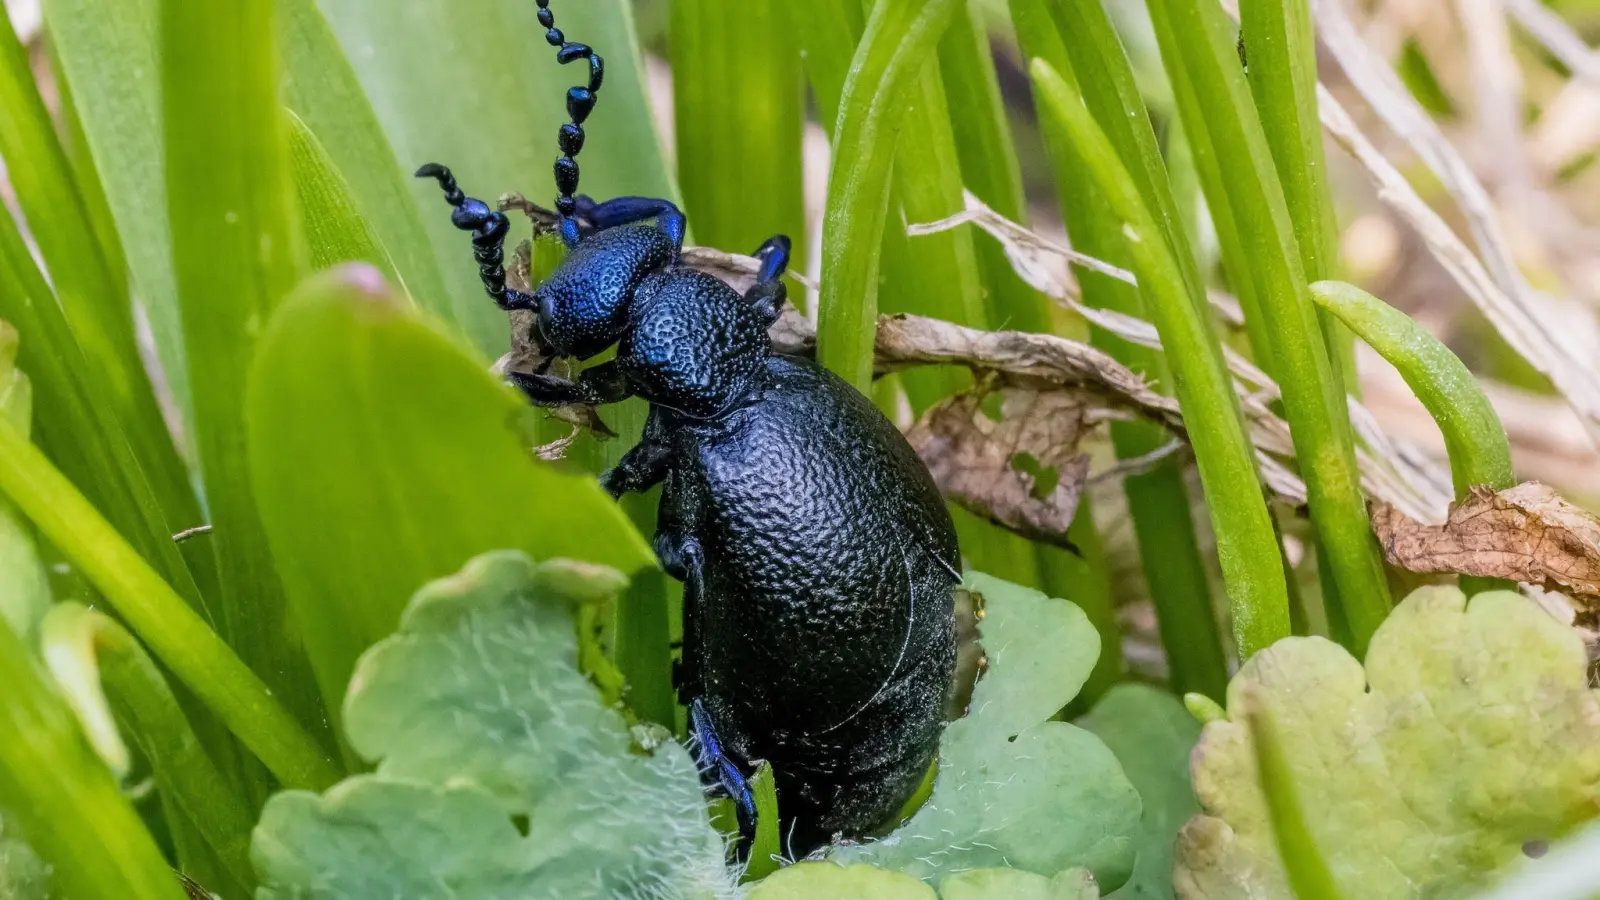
1309, 875
1197, 45
1246, 543
177, 636
67, 804
1474, 438
899, 37
86, 649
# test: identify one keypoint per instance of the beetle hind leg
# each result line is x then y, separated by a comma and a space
715, 764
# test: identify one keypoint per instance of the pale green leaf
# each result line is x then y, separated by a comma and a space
484, 728
24, 586
22, 875
1151, 734
1471, 731
827, 881
1015, 790
1011, 884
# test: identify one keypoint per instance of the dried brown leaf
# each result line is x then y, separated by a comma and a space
1002, 470
1526, 534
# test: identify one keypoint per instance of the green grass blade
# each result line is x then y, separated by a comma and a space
1283, 80
739, 96
1198, 47
72, 419
385, 455
86, 648
767, 848
474, 86
899, 37
1308, 872
92, 293
1246, 543
1474, 438
1163, 523
174, 633
109, 54
829, 32
69, 124
236, 252
334, 229
322, 89
67, 805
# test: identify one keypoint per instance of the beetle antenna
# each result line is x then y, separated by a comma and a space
580, 102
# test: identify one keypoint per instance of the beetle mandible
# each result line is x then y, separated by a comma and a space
818, 559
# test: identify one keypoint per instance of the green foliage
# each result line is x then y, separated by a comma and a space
1471, 730
23, 876
1016, 789
827, 881
1152, 735
421, 462
480, 723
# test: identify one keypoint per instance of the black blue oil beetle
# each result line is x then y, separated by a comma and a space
817, 556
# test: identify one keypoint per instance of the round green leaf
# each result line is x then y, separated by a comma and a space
1471, 731
501, 774
1016, 790
827, 881
1011, 884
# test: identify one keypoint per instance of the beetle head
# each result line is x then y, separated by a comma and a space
584, 306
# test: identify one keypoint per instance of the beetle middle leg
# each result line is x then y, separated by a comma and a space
713, 761
643, 467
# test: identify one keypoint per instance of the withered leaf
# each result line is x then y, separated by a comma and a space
1002, 470
1526, 534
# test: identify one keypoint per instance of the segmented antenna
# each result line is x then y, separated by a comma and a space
580, 102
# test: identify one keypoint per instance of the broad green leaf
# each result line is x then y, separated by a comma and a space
1471, 731
335, 230
1014, 789
1151, 734
1011, 884
481, 723
827, 881
384, 455
472, 84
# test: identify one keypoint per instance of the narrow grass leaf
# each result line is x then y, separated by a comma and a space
92, 293
766, 851
62, 797
335, 230
899, 37
385, 454
85, 649
1199, 50
175, 634
739, 95
237, 252
321, 87
1080, 37
1246, 542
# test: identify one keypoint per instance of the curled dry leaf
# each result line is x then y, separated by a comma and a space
1022, 472
1526, 534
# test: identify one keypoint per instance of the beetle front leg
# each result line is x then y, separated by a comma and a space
602, 384
643, 467
628, 210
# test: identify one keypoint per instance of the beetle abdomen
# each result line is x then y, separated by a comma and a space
827, 619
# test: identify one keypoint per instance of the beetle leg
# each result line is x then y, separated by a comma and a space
681, 558
713, 761
768, 294
628, 210
602, 384
643, 467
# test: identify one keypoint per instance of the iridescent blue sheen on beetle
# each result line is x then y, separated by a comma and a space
818, 560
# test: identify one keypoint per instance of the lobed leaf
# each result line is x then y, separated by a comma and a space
1471, 730
501, 773
1014, 789
827, 881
